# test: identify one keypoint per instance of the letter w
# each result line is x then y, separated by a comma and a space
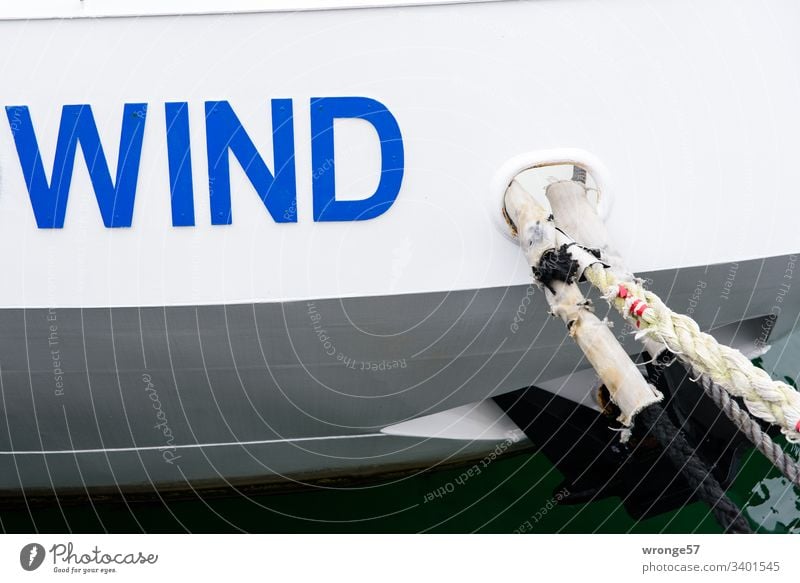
49, 199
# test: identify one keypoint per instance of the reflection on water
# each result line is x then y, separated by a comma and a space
775, 506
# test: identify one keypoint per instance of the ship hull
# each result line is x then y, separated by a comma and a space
181, 308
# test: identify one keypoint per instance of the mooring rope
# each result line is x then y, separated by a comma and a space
723, 371
747, 425
682, 455
773, 401
752, 430
558, 265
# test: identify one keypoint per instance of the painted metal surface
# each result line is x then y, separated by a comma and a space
264, 392
470, 86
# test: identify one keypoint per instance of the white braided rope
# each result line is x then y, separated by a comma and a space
768, 399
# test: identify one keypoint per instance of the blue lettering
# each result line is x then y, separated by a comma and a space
49, 199
224, 132
179, 153
323, 111
224, 136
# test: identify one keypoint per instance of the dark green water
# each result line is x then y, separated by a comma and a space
512, 494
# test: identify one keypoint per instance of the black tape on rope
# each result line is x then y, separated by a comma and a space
556, 265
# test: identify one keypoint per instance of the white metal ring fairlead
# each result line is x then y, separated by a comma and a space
553, 157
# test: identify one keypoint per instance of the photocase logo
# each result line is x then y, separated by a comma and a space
31, 556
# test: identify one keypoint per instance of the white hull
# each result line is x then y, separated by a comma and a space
471, 86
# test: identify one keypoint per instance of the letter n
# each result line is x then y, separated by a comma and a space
224, 133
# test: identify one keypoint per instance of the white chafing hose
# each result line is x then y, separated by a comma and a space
538, 237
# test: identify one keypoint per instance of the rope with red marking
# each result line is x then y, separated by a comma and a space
770, 400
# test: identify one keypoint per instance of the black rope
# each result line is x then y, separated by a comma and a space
656, 423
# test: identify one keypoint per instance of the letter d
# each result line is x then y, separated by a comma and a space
323, 111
